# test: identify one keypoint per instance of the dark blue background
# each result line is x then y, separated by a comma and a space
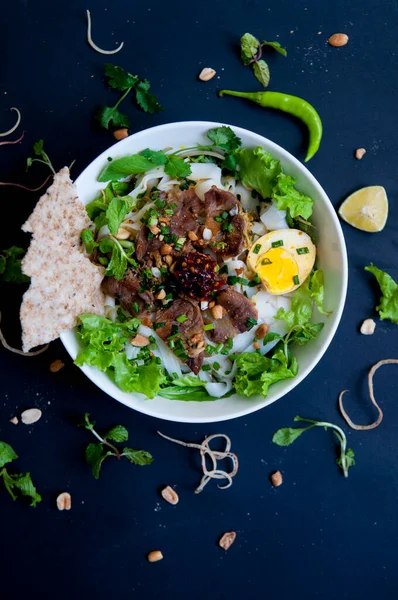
317, 536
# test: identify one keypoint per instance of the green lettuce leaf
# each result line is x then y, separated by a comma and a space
258, 170
7, 454
255, 373
300, 312
317, 290
388, 303
145, 379
286, 196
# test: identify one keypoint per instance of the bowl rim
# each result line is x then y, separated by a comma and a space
145, 407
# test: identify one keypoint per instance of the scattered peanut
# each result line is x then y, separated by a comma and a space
192, 236
120, 134
239, 271
227, 540
155, 556
217, 311
338, 39
14, 420
211, 304
359, 153
146, 322
56, 366
64, 501
206, 74
195, 338
160, 295
170, 495
30, 416
154, 229
276, 478
122, 234
261, 331
368, 327
168, 259
139, 341
165, 249
256, 345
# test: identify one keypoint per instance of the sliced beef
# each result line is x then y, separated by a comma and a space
127, 291
224, 243
143, 246
190, 331
195, 363
238, 307
188, 207
223, 328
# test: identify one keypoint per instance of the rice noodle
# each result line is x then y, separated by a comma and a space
214, 456
14, 126
168, 358
93, 45
386, 361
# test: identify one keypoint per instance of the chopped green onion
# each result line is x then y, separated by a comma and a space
232, 279
175, 375
139, 196
169, 297
219, 348
257, 248
277, 244
171, 344
103, 260
152, 221
181, 318
135, 307
224, 214
216, 366
210, 349
227, 347
223, 270
152, 339
206, 368
296, 280
255, 281
250, 323
209, 326
159, 203
304, 250
266, 261
159, 325
227, 227
218, 219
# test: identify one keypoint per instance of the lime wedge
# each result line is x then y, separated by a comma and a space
366, 209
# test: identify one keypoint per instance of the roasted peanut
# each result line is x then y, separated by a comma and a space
155, 556
276, 478
120, 134
227, 540
64, 501
170, 495
206, 74
338, 39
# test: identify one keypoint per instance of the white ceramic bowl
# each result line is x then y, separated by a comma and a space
332, 258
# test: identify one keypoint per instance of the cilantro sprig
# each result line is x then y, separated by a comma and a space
38, 151
223, 138
10, 265
125, 82
251, 53
96, 453
14, 482
287, 435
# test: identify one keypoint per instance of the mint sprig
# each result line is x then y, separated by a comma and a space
16, 482
96, 453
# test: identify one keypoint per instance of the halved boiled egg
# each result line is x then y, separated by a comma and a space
283, 259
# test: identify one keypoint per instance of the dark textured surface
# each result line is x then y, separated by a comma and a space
319, 535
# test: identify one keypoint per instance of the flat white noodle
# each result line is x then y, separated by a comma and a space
229, 183
145, 179
259, 228
169, 360
131, 351
249, 204
137, 216
218, 389
273, 218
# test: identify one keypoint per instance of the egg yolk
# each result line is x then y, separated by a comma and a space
277, 270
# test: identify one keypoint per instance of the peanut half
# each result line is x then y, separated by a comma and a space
155, 556
170, 495
338, 39
227, 540
56, 366
276, 479
30, 416
359, 153
206, 74
64, 501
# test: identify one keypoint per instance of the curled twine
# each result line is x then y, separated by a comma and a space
16, 350
214, 456
23, 187
93, 45
14, 141
14, 127
386, 361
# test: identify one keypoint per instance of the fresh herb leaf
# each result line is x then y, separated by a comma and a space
249, 47
88, 240
115, 213
157, 157
96, 453
117, 434
38, 149
388, 303
177, 168
287, 435
111, 116
11, 265
137, 457
276, 46
7, 454
145, 100
261, 72
224, 138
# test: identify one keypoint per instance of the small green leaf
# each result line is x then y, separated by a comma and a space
119, 79
96, 467
138, 457
249, 47
115, 213
225, 138
271, 337
117, 434
388, 302
276, 46
7, 454
38, 147
88, 240
110, 115
87, 424
157, 157
261, 71
93, 453
177, 168
22, 483
11, 265
145, 100
288, 435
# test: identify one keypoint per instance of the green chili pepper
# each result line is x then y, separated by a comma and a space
294, 106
